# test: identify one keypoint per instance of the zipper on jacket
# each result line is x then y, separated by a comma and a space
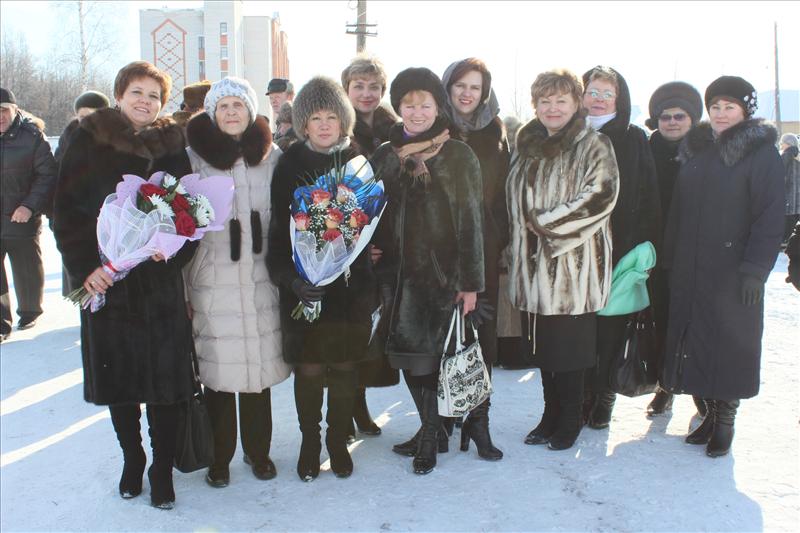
438, 270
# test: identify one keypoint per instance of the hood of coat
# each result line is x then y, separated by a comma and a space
734, 144
221, 150
533, 141
108, 127
619, 124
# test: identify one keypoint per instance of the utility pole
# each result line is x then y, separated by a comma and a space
777, 86
361, 29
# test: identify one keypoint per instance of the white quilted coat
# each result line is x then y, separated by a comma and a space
236, 315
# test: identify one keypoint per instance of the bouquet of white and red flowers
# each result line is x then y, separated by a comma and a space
332, 221
157, 216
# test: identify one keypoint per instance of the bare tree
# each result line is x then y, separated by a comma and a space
89, 44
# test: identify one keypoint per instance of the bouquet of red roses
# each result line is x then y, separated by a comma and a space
157, 216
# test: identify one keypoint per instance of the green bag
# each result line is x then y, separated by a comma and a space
629, 281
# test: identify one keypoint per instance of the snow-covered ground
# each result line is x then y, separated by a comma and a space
60, 460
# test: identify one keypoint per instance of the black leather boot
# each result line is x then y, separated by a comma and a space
700, 403
549, 422
361, 414
661, 403
341, 395
702, 433
569, 387
476, 427
308, 400
425, 459
409, 447
163, 421
722, 435
125, 419
600, 417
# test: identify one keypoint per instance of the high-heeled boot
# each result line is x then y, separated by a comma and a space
722, 436
308, 400
341, 395
476, 427
661, 403
361, 414
600, 416
425, 459
125, 419
549, 422
163, 421
702, 433
569, 387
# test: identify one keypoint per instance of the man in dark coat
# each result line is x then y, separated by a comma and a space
85, 104
27, 176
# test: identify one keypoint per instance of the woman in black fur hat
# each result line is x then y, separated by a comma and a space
723, 236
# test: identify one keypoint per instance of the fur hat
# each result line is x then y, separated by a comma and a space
194, 94
417, 79
675, 94
322, 94
734, 88
231, 86
92, 100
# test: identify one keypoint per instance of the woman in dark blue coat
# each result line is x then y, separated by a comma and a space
723, 236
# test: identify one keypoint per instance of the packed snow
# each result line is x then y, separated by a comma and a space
60, 460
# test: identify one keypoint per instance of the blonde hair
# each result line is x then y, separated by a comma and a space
363, 66
557, 81
604, 74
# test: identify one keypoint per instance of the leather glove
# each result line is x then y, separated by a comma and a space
794, 274
307, 292
482, 313
752, 290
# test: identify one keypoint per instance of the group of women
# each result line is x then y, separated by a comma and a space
580, 194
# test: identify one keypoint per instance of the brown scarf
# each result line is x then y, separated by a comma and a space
414, 151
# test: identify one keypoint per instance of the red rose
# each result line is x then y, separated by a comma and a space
184, 224
302, 221
333, 218
148, 190
320, 197
331, 234
358, 219
179, 203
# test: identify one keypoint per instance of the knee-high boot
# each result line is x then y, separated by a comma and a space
308, 400
569, 387
125, 419
163, 421
476, 427
341, 395
549, 422
702, 433
722, 436
425, 459
409, 447
600, 416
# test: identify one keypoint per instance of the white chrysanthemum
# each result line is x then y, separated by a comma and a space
163, 207
180, 189
169, 181
203, 203
202, 217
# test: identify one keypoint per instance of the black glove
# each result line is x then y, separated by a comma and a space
307, 292
752, 290
794, 273
482, 313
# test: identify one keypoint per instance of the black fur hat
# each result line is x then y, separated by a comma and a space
675, 94
735, 88
417, 79
91, 99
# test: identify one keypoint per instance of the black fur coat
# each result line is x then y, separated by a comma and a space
137, 348
367, 138
725, 222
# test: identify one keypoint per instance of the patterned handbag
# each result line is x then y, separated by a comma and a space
463, 376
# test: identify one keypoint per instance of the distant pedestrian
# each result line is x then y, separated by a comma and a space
27, 177
791, 164
279, 91
284, 135
194, 95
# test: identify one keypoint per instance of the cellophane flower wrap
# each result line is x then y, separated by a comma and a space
155, 216
332, 221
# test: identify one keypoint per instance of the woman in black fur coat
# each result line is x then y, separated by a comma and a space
137, 348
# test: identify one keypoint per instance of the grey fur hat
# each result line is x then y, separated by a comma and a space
322, 94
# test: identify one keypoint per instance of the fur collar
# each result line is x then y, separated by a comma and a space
222, 151
108, 127
734, 144
533, 141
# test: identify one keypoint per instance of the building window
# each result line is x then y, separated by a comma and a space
201, 42
223, 28
202, 65
223, 52
223, 65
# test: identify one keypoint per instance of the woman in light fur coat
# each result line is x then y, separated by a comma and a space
561, 192
234, 303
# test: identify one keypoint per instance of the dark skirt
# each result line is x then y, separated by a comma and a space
564, 343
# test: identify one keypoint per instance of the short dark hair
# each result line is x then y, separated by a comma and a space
142, 69
466, 65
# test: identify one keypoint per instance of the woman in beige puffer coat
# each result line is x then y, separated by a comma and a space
234, 304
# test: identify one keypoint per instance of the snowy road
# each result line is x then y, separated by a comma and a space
60, 460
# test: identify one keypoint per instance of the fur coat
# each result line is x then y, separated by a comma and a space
367, 138
561, 192
236, 320
137, 348
726, 221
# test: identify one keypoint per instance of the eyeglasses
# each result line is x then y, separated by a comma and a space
607, 95
678, 117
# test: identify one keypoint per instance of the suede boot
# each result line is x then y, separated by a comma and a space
163, 420
308, 400
702, 433
361, 414
722, 435
549, 422
600, 417
425, 459
569, 387
661, 403
341, 395
476, 427
125, 419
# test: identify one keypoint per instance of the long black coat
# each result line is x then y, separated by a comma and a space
137, 348
726, 221
432, 239
341, 333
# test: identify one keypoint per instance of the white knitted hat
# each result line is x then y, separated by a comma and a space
231, 86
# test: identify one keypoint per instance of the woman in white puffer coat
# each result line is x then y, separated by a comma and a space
234, 304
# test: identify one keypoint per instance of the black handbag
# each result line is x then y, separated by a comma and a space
194, 448
631, 373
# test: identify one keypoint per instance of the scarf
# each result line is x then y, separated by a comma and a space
601, 120
414, 151
483, 115
341, 145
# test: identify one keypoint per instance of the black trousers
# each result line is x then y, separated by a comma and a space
255, 422
25, 257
